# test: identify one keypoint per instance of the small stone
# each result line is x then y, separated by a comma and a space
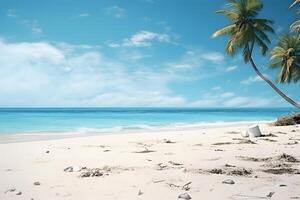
168, 141
229, 181
97, 173
85, 174
19, 193
36, 183
228, 165
68, 169
282, 185
185, 196
140, 193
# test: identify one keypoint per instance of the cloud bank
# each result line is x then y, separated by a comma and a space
45, 74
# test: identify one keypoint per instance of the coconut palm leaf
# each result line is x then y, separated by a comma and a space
286, 57
295, 27
295, 3
225, 30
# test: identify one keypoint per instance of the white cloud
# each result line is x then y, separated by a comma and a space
214, 57
11, 13
197, 58
230, 99
209, 99
252, 79
204, 103
114, 45
231, 68
116, 11
71, 48
45, 74
216, 88
37, 30
132, 55
243, 101
142, 39
227, 95
33, 25
84, 15
237, 101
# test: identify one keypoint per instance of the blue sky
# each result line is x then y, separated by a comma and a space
128, 53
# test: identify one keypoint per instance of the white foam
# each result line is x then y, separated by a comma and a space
84, 131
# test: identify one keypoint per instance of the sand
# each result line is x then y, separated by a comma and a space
204, 163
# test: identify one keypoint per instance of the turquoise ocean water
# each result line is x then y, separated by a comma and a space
32, 120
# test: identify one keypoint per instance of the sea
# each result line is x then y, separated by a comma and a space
113, 120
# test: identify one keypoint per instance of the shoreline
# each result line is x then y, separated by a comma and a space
54, 135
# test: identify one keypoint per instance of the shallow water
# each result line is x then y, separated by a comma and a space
32, 120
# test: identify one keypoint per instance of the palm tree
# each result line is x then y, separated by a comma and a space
247, 31
286, 56
295, 27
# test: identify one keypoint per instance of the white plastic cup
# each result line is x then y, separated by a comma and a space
254, 131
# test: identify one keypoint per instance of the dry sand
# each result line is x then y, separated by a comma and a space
212, 163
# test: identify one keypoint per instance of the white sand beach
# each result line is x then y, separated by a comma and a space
155, 165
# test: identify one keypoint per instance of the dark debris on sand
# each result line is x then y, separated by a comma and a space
281, 164
283, 157
167, 141
222, 143
231, 171
281, 171
91, 172
291, 119
245, 141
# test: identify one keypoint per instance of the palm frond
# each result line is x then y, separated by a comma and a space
263, 35
295, 27
223, 31
264, 25
286, 56
294, 3
253, 6
231, 15
263, 47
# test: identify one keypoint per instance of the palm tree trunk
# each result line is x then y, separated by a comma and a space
288, 99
